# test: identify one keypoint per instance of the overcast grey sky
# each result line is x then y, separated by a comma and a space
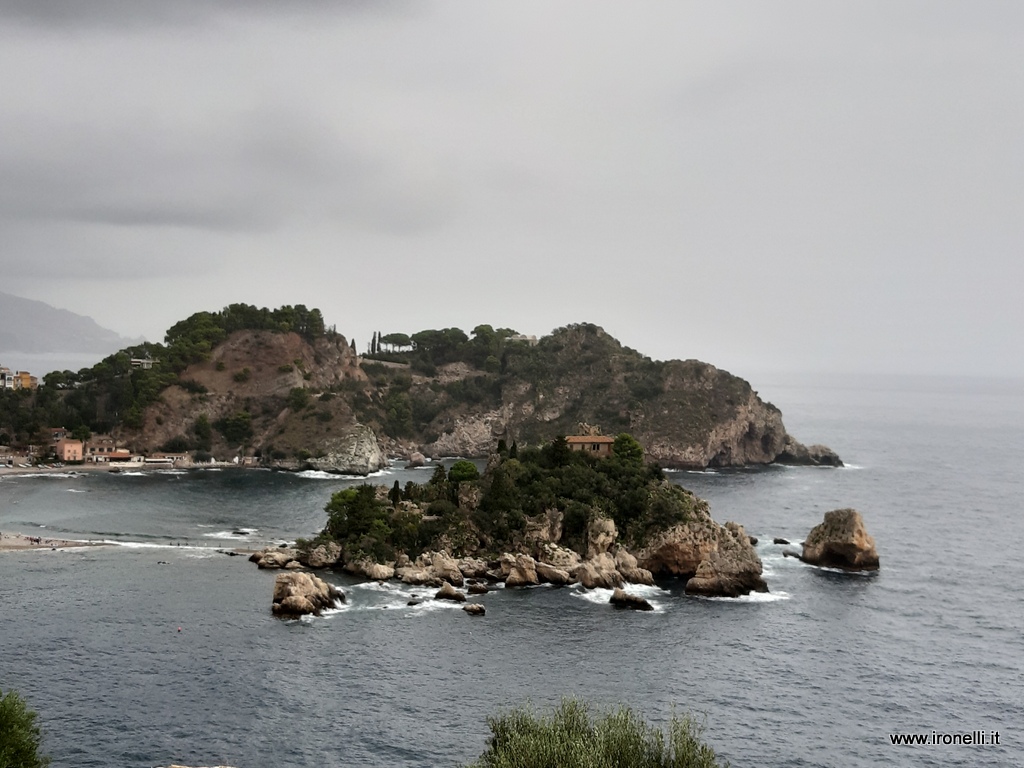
765, 186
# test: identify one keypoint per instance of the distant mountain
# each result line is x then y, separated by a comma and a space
35, 330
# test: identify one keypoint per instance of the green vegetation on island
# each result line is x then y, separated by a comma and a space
574, 736
19, 735
465, 513
116, 391
280, 388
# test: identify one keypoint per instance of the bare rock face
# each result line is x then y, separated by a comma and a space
322, 556
622, 599
446, 568
275, 557
813, 455
474, 609
599, 573
559, 557
416, 459
473, 567
627, 566
732, 570
544, 529
505, 565
841, 541
601, 534
473, 434
355, 452
417, 576
551, 575
298, 594
523, 573
720, 556
372, 570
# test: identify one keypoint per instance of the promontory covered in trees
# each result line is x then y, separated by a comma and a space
284, 389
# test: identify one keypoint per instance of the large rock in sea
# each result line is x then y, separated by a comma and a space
274, 557
809, 455
716, 560
354, 452
622, 599
841, 541
448, 592
299, 593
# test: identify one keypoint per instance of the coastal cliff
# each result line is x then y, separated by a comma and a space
279, 389
687, 414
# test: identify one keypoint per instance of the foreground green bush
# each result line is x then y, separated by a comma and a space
19, 734
573, 737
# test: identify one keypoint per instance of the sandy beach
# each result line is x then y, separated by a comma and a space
16, 542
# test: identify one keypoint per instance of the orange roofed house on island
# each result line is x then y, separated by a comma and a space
595, 445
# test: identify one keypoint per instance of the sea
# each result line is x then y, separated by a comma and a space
160, 649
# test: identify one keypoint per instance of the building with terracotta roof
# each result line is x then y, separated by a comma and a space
595, 445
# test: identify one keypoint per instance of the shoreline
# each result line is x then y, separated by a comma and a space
18, 542
81, 469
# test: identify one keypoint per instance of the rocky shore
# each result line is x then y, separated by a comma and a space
714, 560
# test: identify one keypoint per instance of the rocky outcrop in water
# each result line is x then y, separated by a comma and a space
275, 557
808, 455
841, 541
716, 560
622, 599
299, 594
448, 592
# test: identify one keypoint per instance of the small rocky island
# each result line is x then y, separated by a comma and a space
841, 541
550, 515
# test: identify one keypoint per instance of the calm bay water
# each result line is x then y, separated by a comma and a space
815, 674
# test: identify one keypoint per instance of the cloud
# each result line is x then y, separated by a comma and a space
69, 14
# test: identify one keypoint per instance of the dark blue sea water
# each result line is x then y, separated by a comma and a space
817, 673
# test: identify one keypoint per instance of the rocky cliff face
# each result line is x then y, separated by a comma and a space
686, 414
285, 388
319, 405
841, 541
715, 559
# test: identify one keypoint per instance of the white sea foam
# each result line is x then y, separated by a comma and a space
601, 596
238, 534
151, 545
75, 490
753, 597
317, 474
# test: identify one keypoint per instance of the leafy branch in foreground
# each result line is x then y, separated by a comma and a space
19, 734
571, 736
